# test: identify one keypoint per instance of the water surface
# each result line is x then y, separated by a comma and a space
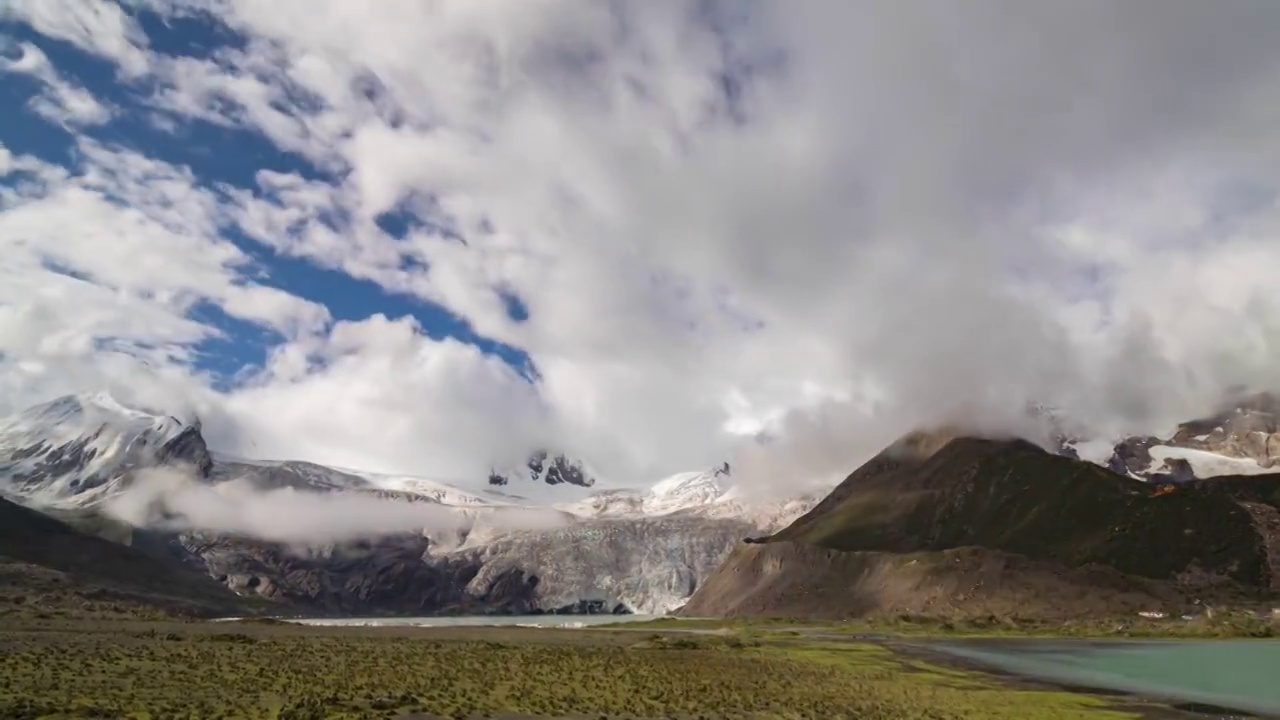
548, 621
1238, 674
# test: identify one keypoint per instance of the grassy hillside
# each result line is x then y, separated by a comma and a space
958, 526
49, 566
1014, 497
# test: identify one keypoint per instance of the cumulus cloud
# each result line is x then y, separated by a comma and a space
431, 405
826, 222
170, 499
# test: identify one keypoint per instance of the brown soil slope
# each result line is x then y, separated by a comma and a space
795, 580
1046, 535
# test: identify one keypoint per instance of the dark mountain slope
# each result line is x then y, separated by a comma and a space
1034, 519
388, 575
42, 558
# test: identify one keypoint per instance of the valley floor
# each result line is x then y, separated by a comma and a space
64, 667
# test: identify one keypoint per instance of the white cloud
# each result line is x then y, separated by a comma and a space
102, 268
924, 211
101, 28
175, 500
142, 229
59, 101
416, 405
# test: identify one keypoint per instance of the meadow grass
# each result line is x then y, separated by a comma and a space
144, 669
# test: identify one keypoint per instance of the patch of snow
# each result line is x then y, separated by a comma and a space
607, 504
1098, 452
683, 491
1205, 464
440, 492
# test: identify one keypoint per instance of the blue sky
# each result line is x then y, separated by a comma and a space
334, 231
457, 230
217, 155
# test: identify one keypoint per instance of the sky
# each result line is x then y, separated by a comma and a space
428, 237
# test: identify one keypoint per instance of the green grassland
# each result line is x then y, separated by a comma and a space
63, 668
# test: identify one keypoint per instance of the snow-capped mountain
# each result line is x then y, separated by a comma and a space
310, 477
644, 549
78, 449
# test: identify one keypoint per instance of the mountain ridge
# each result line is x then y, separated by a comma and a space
950, 519
645, 548
648, 549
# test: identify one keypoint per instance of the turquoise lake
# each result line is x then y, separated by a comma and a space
1241, 675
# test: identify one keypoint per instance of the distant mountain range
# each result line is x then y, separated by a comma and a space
939, 521
639, 550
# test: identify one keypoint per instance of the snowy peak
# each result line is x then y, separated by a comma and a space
683, 491
78, 414
79, 450
75, 449
709, 494
1241, 440
430, 490
677, 493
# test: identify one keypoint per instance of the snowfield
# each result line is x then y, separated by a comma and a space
1204, 464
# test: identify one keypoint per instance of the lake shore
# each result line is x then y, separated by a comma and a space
1154, 704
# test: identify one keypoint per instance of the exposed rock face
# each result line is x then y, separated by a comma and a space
634, 565
392, 575
1250, 431
1242, 440
543, 468
187, 447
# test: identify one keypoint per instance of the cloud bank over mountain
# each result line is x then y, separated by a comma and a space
430, 237
173, 499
